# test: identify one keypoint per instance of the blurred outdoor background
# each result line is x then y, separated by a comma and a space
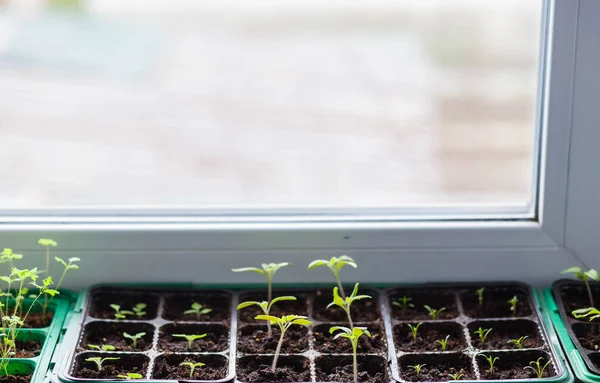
267, 103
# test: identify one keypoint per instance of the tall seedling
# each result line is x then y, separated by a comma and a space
353, 335
335, 264
284, 323
345, 303
266, 306
584, 276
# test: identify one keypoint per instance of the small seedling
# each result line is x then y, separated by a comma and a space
335, 264
198, 310
414, 330
455, 376
479, 293
353, 335
99, 361
513, 305
518, 342
105, 347
591, 312
189, 338
345, 303
537, 367
120, 314
284, 323
266, 307
491, 361
134, 338
483, 334
433, 313
130, 376
192, 366
139, 310
417, 368
403, 303
443, 342
584, 276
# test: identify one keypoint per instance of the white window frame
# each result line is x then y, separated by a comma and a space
204, 249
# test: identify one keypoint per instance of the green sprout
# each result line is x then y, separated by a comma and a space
417, 368
46, 242
443, 342
584, 276
456, 376
414, 330
433, 313
403, 303
479, 293
198, 310
134, 338
491, 361
537, 367
284, 323
483, 334
130, 376
353, 335
120, 314
518, 342
513, 305
335, 264
139, 310
189, 338
105, 347
99, 361
266, 307
345, 303
192, 366
591, 312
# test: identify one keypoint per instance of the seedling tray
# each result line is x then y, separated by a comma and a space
561, 299
308, 354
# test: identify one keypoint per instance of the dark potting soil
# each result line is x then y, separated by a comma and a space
588, 335
111, 333
176, 305
576, 297
100, 305
364, 310
28, 349
254, 339
38, 320
427, 336
132, 363
169, 367
503, 331
216, 339
495, 303
16, 378
436, 367
434, 299
512, 365
335, 368
297, 307
324, 341
258, 369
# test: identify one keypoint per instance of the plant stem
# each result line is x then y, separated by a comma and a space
349, 317
269, 297
355, 368
277, 350
589, 290
339, 282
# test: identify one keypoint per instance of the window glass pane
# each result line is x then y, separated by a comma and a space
267, 103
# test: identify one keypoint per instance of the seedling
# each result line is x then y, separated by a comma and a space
433, 313
537, 367
192, 366
513, 305
455, 376
353, 335
403, 303
345, 303
198, 310
335, 264
479, 293
130, 376
491, 361
99, 361
189, 338
104, 347
120, 314
266, 307
417, 368
591, 312
284, 323
518, 342
414, 330
584, 276
139, 310
46, 242
483, 333
443, 342
134, 338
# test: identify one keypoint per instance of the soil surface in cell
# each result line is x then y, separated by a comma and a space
172, 369
428, 335
502, 332
219, 304
216, 339
331, 368
588, 335
38, 320
28, 349
512, 366
255, 340
100, 306
289, 369
16, 378
414, 309
111, 333
495, 303
363, 310
576, 297
110, 369
437, 368
324, 341
297, 307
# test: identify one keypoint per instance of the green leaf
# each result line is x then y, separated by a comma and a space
337, 300
355, 291
283, 298
332, 329
243, 269
243, 305
593, 274
301, 322
270, 318
47, 242
60, 260
74, 259
317, 263
361, 297
342, 335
